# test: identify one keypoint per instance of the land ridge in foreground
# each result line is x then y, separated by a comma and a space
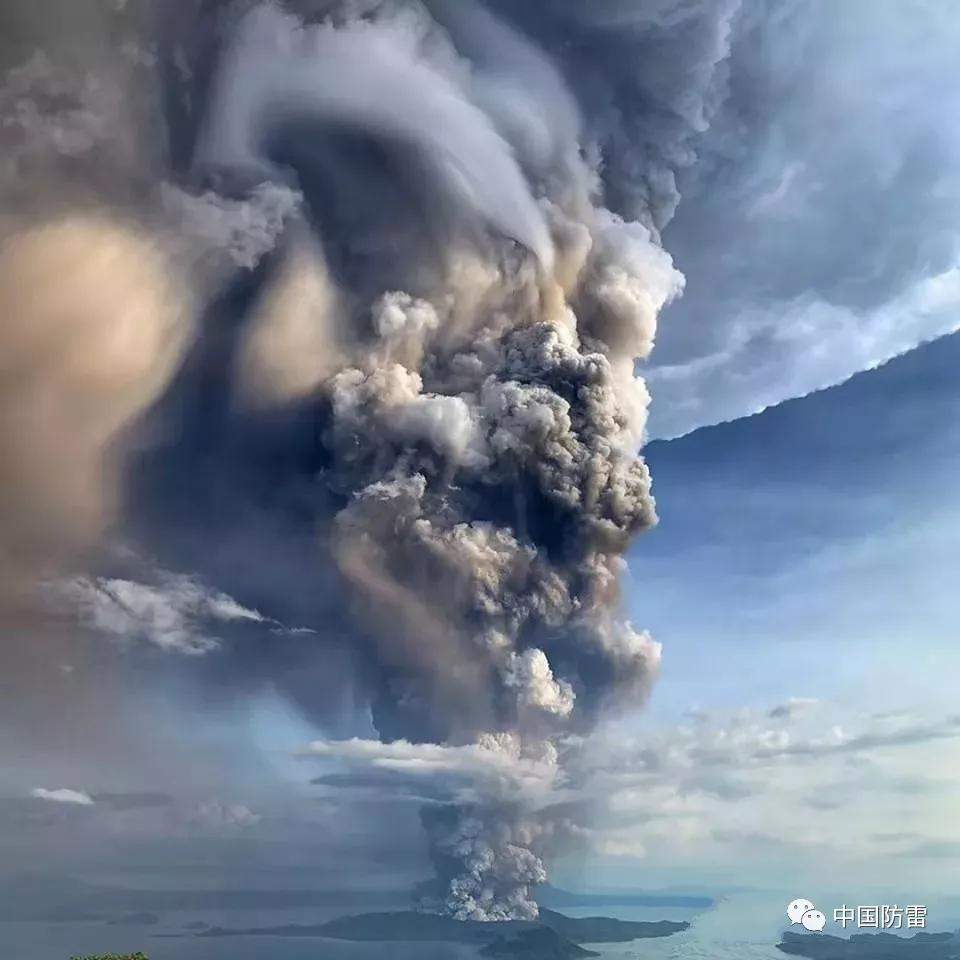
872, 946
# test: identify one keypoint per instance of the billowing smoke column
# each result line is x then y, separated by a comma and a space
470, 199
485, 419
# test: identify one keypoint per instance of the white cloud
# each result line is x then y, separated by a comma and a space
63, 795
499, 765
765, 787
772, 790
176, 613
788, 349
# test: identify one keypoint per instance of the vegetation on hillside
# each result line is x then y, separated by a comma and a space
115, 956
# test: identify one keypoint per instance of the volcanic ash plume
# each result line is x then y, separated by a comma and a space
485, 420
463, 204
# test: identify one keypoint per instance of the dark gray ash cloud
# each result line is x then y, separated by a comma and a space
362, 286
417, 280
484, 285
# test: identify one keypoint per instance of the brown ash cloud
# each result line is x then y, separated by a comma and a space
415, 249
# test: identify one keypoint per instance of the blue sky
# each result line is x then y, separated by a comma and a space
824, 527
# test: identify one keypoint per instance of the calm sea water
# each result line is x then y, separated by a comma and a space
743, 926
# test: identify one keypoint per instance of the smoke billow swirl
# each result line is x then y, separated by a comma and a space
434, 229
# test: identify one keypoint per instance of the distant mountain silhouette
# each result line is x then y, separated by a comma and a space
58, 899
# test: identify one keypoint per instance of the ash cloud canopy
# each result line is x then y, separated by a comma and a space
483, 423
350, 300
417, 277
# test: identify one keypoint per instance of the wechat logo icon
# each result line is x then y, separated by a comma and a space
805, 913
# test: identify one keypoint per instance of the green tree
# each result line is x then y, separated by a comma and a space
115, 956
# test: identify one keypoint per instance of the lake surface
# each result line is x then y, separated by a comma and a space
742, 926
